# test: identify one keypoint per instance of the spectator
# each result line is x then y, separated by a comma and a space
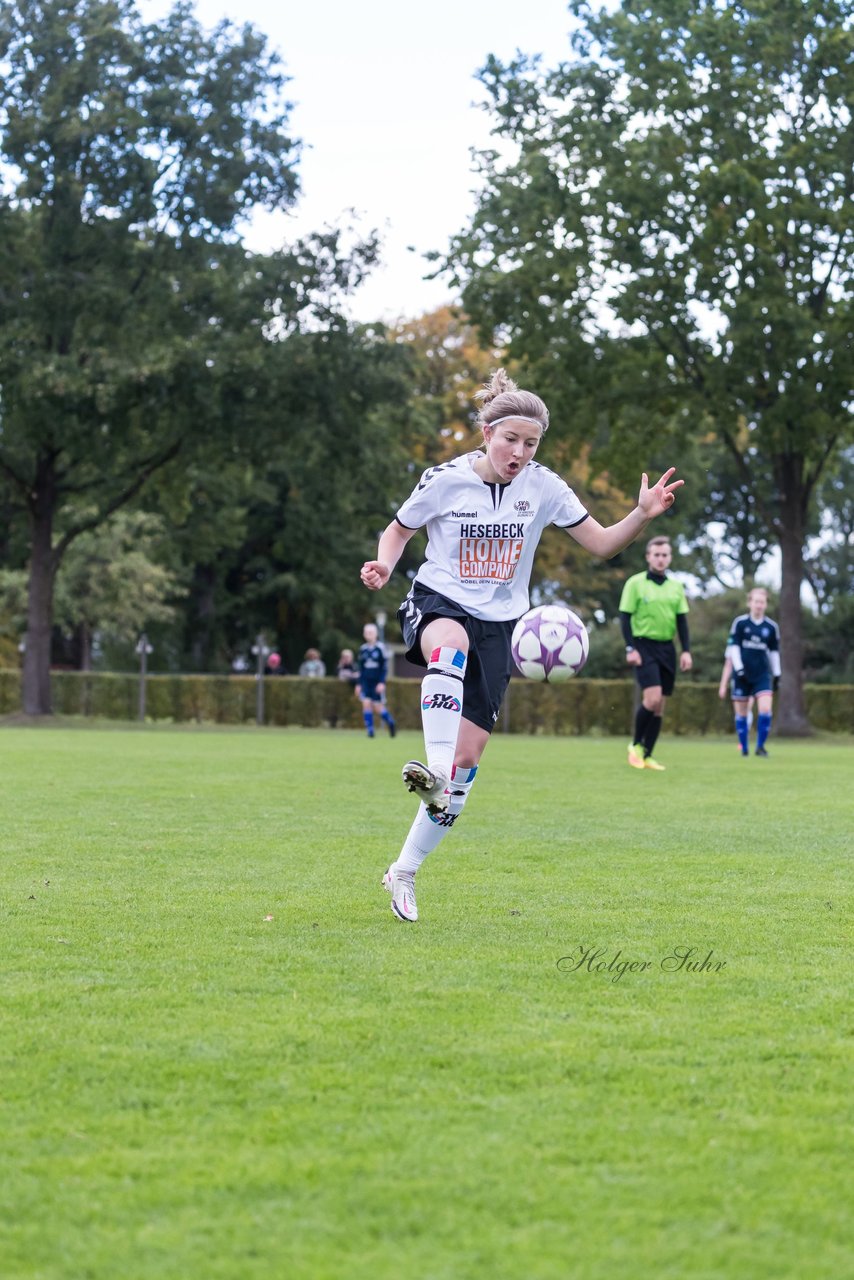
313, 665
347, 668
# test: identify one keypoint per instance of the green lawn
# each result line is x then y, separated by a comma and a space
192, 1090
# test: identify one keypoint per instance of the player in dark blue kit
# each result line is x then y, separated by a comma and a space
753, 661
372, 674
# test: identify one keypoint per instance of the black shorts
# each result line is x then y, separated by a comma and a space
490, 662
658, 665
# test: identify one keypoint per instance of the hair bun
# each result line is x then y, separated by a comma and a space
497, 385
501, 398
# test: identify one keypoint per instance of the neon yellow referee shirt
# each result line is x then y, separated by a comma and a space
654, 606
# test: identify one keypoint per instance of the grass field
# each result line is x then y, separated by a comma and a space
223, 1058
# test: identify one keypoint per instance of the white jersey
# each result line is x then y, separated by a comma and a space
482, 537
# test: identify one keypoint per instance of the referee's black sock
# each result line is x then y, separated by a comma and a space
652, 734
642, 719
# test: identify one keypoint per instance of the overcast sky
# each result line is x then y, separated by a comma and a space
384, 95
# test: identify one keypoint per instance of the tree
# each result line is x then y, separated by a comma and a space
732, 541
669, 247
133, 325
206, 505
449, 364
830, 567
113, 583
274, 541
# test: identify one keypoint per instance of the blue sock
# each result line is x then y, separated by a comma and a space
763, 728
742, 731
386, 718
368, 717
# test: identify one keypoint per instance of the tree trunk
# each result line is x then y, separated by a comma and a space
36, 682
204, 590
791, 717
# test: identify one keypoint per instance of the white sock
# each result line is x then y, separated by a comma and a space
442, 707
429, 829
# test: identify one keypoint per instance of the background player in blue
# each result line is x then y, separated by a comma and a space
485, 512
753, 662
373, 669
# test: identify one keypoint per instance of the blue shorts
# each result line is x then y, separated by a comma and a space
742, 688
368, 689
490, 662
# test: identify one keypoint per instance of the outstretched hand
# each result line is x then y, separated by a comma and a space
661, 496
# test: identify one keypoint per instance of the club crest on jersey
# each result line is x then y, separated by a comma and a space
441, 702
523, 506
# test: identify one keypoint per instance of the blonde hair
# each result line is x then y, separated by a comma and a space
501, 398
659, 540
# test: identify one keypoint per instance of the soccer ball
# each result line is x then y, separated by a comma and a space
550, 643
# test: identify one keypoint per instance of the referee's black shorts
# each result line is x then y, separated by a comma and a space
658, 664
490, 662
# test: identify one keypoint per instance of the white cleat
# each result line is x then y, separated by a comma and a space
401, 886
431, 788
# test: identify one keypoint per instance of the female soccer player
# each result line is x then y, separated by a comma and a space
373, 669
485, 512
753, 661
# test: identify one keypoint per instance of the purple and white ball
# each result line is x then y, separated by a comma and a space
550, 643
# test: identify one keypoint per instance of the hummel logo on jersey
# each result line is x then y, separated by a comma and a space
441, 702
431, 472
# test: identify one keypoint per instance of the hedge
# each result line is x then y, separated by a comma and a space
577, 707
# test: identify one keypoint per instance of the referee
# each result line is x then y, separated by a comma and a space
652, 609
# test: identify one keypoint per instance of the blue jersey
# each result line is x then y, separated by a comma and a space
372, 666
750, 646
